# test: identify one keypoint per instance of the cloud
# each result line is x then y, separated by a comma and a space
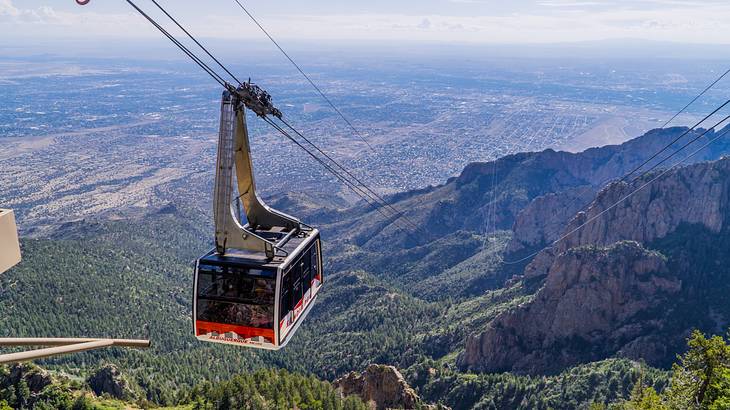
425, 24
521, 21
43, 14
572, 4
46, 21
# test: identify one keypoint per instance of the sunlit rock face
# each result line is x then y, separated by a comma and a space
603, 291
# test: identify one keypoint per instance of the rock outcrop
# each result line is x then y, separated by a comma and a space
383, 387
34, 377
109, 380
601, 295
543, 220
697, 194
591, 306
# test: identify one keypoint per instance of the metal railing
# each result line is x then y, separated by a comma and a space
60, 346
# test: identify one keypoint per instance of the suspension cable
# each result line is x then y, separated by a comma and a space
374, 195
367, 194
682, 148
674, 141
181, 46
357, 190
623, 199
301, 71
196, 41
696, 98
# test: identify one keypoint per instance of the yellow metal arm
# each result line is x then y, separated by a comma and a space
9, 246
61, 346
234, 155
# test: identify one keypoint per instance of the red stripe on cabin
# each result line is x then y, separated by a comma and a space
203, 328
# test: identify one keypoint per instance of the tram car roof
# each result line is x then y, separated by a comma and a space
289, 250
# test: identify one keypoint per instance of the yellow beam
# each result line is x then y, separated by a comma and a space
58, 341
61, 346
9, 247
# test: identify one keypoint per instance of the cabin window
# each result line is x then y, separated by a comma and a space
314, 260
286, 295
237, 314
297, 291
306, 271
236, 297
297, 280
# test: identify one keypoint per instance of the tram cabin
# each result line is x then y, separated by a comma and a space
244, 300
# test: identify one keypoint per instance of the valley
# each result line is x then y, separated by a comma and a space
420, 306
142, 134
474, 310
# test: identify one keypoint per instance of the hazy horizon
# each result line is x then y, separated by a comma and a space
425, 21
237, 50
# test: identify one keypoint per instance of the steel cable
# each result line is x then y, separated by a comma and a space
301, 71
356, 189
181, 46
374, 195
196, 41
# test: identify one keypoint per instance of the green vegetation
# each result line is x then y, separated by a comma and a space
700, 380
123, 279
34, 388
271, 389
701, 259
599, 382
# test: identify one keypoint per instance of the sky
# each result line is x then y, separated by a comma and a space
387, 21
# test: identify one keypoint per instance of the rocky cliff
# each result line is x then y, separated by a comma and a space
383, 387
594, 302
602, 296
543, 220
507, 186
536, 194
109, 380
34, 377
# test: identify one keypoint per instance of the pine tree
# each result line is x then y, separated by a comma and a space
699, 379
22, 392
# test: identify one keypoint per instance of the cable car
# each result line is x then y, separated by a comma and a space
260, 281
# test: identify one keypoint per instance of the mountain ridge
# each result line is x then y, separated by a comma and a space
632, 311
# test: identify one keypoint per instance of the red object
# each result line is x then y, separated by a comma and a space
241, 331
82, 2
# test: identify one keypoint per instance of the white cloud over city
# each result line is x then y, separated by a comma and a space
472, 21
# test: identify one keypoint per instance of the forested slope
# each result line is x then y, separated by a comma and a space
412, 301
